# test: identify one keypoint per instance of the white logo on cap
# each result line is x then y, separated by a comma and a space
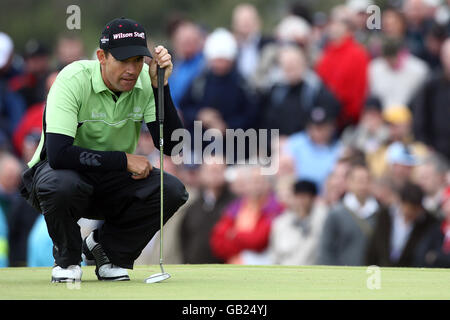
129, 35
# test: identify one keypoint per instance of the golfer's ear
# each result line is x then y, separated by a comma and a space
101, 56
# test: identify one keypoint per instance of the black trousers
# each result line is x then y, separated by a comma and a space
130, 210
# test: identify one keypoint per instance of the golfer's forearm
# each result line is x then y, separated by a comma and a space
62, 154
171, 121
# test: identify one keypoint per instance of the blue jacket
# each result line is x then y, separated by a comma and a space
3, 240
184, 72
40, 245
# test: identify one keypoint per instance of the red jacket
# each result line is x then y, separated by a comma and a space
226, 242
31, 122
343, 68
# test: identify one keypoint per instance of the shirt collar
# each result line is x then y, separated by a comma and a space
99, 85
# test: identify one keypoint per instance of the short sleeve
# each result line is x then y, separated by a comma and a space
62, 107
150, 109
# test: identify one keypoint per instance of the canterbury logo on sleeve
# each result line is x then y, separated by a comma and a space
90, 159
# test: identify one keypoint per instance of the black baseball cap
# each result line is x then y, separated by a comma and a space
124, 38
305, 186
320, 115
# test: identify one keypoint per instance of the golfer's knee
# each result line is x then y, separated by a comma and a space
174, 191
61, 187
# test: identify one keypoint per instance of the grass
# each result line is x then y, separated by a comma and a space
232, 282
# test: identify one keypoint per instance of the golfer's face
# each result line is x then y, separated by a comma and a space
122, 75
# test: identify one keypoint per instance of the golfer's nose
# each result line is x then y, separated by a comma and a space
131, 69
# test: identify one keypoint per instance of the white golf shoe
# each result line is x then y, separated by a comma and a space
70, 274
105, 270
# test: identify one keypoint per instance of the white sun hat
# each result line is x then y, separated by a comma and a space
6, 48
220, 44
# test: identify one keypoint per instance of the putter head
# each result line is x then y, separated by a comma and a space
157, 277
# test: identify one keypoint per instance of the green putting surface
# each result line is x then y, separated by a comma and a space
232, 282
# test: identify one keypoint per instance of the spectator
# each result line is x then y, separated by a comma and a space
189, 60
400, 163
69, 48
352, 218
40, 245
434, 249
370, 133
10, 170
32, 83
359, 18
16, 211
418, 23
430, 175
28, 132
3, 240
430, 108
291, 30
12, 104
399, 230
394, 24
246, 27
295, 234
244, 228
397, 75
21, 219
434, 39
219, 96
315, 151
205, 212
399, 122
290, 101
385, 191
11, 64
336, 184
348, 78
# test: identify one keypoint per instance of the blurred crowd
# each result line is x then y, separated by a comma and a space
363, 154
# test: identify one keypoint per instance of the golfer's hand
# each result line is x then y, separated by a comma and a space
139, 166
162, 58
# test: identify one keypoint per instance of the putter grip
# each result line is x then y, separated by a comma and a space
160, 73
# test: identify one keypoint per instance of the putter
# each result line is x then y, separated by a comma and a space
158, 277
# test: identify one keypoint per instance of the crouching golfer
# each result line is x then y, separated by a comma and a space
84, 165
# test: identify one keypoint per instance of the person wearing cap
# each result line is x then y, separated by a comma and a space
219, 96
371, 132
401, 162
295, 234
398, 119
12, 104
315, 150
84, 165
